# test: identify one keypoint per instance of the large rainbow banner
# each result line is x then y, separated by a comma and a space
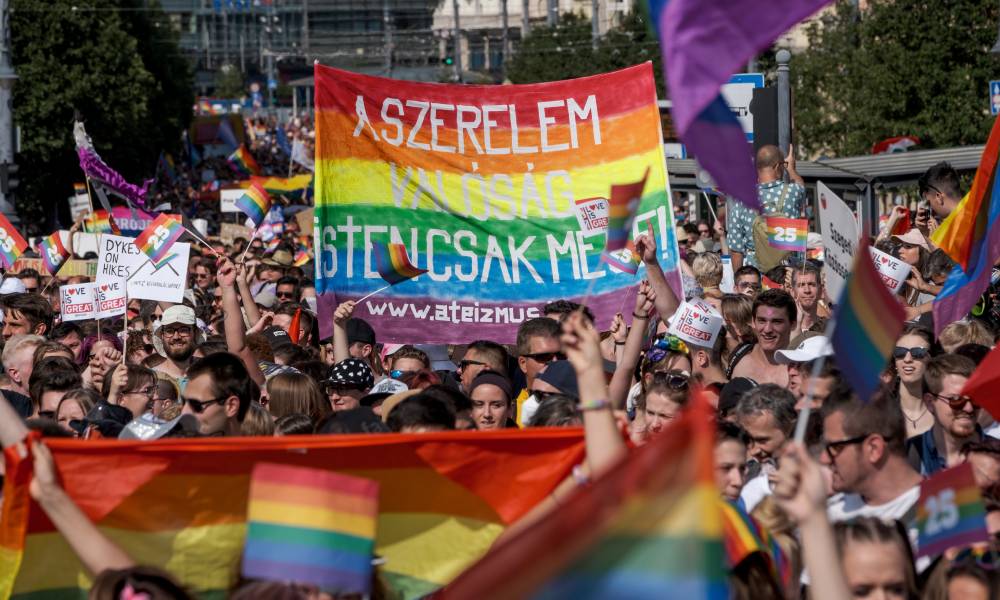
496, 190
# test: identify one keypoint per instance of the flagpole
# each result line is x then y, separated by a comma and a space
367, 296
203, 242
818, 364
247, 249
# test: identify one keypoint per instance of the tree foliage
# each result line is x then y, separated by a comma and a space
566, 50
900, 67
118, 65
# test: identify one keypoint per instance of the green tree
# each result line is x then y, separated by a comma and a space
567, 50
115, 65
905, 67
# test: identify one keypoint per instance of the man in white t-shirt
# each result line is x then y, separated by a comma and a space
866, 453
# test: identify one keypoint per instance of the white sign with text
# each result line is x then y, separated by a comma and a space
76, 302
119, 259
840, 233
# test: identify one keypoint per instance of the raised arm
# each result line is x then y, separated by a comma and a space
235, 329
93, 548
243, 287
800, 490
341, 347
621, 381
666, 300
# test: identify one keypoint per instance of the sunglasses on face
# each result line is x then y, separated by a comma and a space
833, 449
917, 352
199, 406
677, 380
543, 396
956, 402
339, 389
284, 295
466, 362
546, 357
397, 374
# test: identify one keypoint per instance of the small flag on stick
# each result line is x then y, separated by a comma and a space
311, 526
867, 322
621, 212
787, 234
393, 264
950, 512
244, 162
53, 252
155, 240
255, 204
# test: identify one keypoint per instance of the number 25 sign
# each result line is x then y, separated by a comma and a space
950, 512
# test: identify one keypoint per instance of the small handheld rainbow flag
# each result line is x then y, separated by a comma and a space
393, 264
12, 245
101, 222
867, 321
244, 162
769, 284
626, 260
255, 204
621, 212
155, 241
54, 254
301, 258
787, 234
743, 535
950, 512
311, 526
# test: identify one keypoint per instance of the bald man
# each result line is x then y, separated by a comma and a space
774, 192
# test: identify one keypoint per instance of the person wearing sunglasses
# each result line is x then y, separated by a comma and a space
955, 415
865, 450
287, 289
218, 394
555, 379
131, 386
346, 383
537, 345
909, 361
479, 356
203, 278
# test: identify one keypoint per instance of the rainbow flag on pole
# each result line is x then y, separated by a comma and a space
787, 234
244, 162
651, 527
950, 512
622, 205
393, 264
53, 252
301, 258
198, 490
155, 241
311, 526
12, 244
866, 324
255, 204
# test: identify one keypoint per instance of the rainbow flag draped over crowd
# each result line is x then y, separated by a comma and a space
182, 504
480, 183
970, 235
651, 527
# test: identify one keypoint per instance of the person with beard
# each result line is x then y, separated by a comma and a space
176, 339
774, 316
807, 288
955, 416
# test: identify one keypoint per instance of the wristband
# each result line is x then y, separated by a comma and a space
646, 317
593, 405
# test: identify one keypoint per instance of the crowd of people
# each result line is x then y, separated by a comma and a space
243, 356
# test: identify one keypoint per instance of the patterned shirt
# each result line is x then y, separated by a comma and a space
739, 218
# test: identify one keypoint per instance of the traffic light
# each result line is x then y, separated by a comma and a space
8, 178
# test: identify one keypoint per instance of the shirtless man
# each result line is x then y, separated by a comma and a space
774, 316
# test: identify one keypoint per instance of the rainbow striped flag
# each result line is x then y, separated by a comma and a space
12, 244
311, 526
651, 527
393, 264
950, 512
626, 260
769, 284
255, 204
867, 322
743, 535
970, 235
302, 257
198, 490
493, 204
155, 241
244, 162
101, 222
787, 234
622, 205
53, 252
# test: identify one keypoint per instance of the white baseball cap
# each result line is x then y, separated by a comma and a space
806, 350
